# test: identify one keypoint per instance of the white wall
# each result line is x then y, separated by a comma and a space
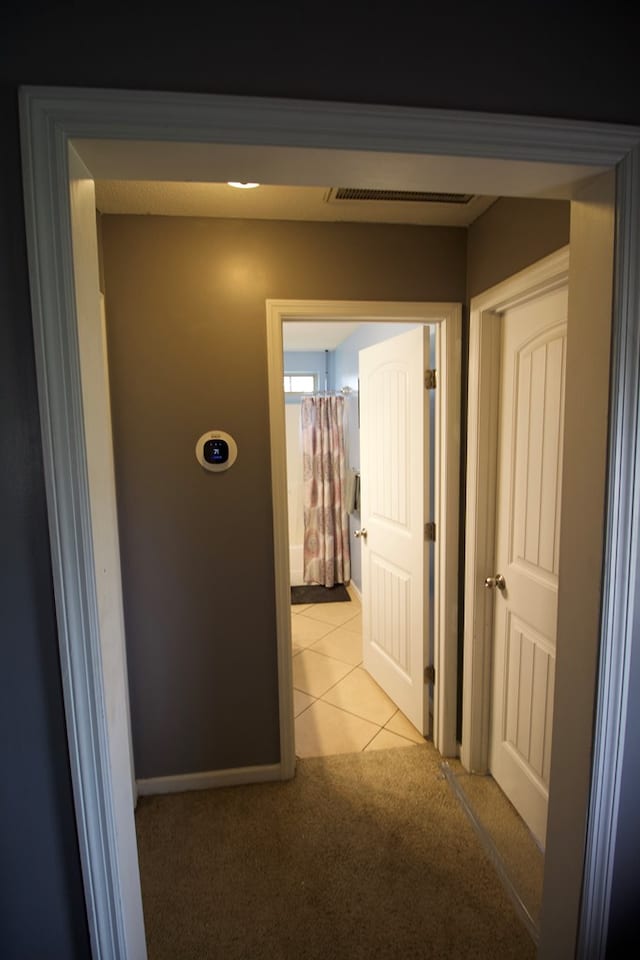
295, 491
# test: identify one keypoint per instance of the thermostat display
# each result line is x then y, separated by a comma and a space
216, 450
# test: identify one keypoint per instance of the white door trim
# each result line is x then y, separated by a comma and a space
448, 318
482, 458
537, 153
620, 626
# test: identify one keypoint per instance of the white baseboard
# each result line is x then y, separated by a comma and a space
357, 592
209, 779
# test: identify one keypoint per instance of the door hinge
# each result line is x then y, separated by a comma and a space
430, 379
430, 532
430, 674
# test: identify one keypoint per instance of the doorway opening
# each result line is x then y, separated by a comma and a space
338, 705
445, 321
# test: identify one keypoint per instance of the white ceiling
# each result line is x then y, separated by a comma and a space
177, 175
305, 166
316, 334
274, 202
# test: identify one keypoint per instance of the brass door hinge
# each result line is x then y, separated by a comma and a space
430, 674
430, 532
430, 377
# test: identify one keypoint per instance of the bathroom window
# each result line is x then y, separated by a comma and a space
300, 382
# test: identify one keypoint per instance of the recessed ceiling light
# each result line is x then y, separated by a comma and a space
242, 186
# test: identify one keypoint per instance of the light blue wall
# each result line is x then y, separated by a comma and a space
346, 375
310, 361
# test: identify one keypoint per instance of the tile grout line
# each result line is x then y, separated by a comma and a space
323, 637
333, 684
320, 620
302, 649
334, 627
308, 707
371, 741
356, 715
329, 657
399, 735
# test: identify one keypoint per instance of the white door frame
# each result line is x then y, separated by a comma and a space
117, 133
448, 320
485, 325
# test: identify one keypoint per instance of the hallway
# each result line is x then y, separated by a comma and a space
360, 856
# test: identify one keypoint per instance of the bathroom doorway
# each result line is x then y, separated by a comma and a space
334, 704
339, 707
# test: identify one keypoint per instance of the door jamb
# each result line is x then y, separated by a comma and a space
448, 320
485, 326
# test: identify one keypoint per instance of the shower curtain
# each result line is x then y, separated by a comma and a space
326, 524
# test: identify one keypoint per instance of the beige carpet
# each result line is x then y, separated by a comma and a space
521, 858
361, 856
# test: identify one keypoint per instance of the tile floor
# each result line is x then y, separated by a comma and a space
338, 707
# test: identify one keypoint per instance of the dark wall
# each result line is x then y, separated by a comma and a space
41, 897
546, 59
186, 321
474, 64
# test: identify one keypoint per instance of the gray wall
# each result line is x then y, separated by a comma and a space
510, 235
185, 302
555, 73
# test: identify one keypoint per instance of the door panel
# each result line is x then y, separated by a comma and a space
527, 550
394, 498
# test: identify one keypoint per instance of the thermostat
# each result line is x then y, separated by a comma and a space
216, 451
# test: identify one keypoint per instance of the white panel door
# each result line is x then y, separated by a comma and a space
534, 338
394, 479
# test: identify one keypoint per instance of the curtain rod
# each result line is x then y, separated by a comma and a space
343, 391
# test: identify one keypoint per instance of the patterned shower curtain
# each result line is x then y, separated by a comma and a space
326, 524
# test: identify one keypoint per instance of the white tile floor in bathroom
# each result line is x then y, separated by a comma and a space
338, 707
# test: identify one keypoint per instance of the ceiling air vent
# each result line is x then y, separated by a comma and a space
410, 196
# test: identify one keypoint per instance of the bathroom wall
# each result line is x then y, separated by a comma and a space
310, 361
186, 324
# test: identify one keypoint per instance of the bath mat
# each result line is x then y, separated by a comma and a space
316, 593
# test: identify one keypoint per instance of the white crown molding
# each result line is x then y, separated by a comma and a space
263, 120
620, 629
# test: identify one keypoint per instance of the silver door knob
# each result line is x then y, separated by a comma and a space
360, 533
498, 581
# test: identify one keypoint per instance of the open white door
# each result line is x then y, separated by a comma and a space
531, 415
394, 470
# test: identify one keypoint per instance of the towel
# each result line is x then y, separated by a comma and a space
353, 492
